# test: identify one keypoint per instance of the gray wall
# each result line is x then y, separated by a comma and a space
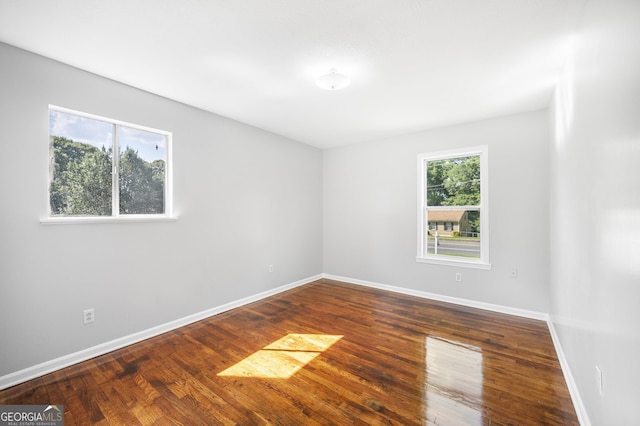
245, 199
370, 203
595, 210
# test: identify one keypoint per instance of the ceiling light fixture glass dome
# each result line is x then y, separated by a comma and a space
333, 81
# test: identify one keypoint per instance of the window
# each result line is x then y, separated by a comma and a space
453, 190
86, 179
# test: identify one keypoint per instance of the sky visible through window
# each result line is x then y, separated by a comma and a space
149, 146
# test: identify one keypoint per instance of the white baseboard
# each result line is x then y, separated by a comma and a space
581, 411
448, 299
47, 367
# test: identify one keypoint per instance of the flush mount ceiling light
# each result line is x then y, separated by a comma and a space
333, 81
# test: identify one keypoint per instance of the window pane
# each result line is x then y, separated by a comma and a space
460, 235
142, 159
453, 182
81, 165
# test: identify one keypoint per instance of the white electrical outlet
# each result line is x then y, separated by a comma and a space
270, 268
88, 316
458, 277
514, 273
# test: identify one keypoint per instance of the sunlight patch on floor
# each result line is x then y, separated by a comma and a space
282, 358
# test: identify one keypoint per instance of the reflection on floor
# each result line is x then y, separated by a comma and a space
454, 380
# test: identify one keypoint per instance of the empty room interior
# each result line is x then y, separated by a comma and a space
321, 212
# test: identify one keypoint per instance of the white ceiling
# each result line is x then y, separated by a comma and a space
414, 64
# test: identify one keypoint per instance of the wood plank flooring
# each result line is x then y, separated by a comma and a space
324, 353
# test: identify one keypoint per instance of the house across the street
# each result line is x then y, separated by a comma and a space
446, 222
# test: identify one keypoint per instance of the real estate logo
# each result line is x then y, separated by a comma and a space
31, 415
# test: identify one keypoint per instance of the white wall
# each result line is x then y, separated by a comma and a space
245, 199
595, 210
370, 212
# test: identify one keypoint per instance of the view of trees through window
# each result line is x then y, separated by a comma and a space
83, 172
451, 183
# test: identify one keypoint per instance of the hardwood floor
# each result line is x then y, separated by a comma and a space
324, 353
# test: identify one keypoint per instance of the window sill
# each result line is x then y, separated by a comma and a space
76, 220
457, 263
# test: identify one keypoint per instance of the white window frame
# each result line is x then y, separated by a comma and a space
116, 217
478, 263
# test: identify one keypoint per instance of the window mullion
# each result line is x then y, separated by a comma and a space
115, 197
453, 208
